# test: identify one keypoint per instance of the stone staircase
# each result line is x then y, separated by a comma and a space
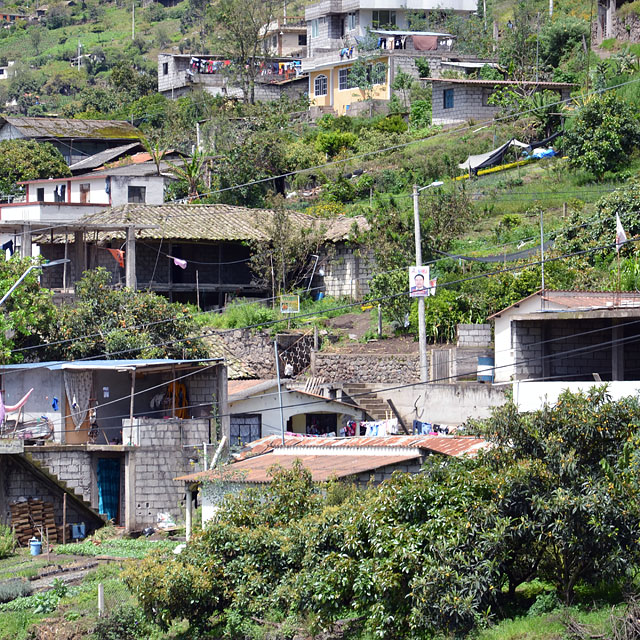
363, 396
77, 498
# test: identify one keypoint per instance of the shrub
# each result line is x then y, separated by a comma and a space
125, 623
7, 541
423, 67
392, 124
545, 603
333, 142
14, 588
420, 115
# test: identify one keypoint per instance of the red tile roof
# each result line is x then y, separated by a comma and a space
323, 467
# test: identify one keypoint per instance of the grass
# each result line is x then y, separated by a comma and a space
137, 548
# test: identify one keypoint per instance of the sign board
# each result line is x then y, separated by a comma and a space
419, 282
8, 445
290, 303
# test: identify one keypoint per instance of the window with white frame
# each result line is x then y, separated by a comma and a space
345, 80
320, 85
351, 21
314, 28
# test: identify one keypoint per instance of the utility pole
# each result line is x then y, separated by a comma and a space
133, 19
275, 348
422, 332
542, 258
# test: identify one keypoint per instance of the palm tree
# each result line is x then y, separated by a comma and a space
191, 172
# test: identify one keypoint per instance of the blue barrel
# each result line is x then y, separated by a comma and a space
35, 547
485, 368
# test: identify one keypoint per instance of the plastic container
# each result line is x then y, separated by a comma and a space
486, 366
78, 531
35, 546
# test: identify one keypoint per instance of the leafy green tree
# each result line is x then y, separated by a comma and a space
602, 135
28, 160
560, 37
27, 316
517, 51
105, 321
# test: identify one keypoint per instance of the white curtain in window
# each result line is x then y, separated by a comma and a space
78, 387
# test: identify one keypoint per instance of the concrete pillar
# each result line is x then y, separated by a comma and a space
80, 254
3, 490
617, 351
130, 258
25, 246
189, 513
223, 407
130, 491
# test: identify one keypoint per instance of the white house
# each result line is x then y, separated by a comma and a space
556, 340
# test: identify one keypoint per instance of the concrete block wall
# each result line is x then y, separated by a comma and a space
526, 339
474, 335
467, 104
173, 433
70, 464
19, 483
384, 473
347, 274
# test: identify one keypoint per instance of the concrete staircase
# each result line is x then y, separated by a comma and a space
363, 396
42, 470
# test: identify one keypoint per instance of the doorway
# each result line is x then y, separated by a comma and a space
108, 473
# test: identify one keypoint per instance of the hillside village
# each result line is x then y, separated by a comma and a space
319, 319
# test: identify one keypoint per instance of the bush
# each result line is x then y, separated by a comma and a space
392, 124
7, 541
333, 142
14, 588
545, 603
125, 623
423, 67
420, 115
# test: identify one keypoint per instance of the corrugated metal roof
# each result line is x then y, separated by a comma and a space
446, 445
71, 128
98, 159
105, 364
214, 222
322, 467
505, 83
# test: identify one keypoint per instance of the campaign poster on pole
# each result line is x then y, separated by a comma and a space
419, 281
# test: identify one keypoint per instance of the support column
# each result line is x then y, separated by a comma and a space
25, 246
80, 255
189, 512
617, 351
130, 258
130, 491
224, 420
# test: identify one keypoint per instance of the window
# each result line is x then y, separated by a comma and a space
351, 21
165, 68
40, 194
314, 28
302, 39
136, 194
59, 193
1, 72
379, 73
85, 188
447, 99
383, 18
320, 86
345, 80
274, 42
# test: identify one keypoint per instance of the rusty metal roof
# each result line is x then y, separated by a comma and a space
214, 222
446, 445
504, 83
322, 467
72, 128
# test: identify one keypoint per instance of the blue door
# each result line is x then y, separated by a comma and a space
109, 487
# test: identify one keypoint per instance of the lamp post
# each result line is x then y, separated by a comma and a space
422, 333
17, 283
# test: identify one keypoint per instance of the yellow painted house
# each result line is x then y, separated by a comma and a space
332, 85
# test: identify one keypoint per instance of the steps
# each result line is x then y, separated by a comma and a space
362, 395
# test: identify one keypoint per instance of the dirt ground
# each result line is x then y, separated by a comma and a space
346, 335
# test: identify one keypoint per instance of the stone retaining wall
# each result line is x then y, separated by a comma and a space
348, 367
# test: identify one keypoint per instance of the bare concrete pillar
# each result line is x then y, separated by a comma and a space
80, 254
130, 258
130, 491
617, 351
224, 419
25, 241
188, 513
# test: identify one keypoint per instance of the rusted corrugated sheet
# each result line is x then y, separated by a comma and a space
322, 467
447, 445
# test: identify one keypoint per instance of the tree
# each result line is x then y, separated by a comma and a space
28, 160
27, 316
578, 497
121, 323
517, 51
190, 172
602, 135
282, 262
402, 84
240, 26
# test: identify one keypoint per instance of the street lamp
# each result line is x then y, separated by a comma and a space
53, 263
422, 333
